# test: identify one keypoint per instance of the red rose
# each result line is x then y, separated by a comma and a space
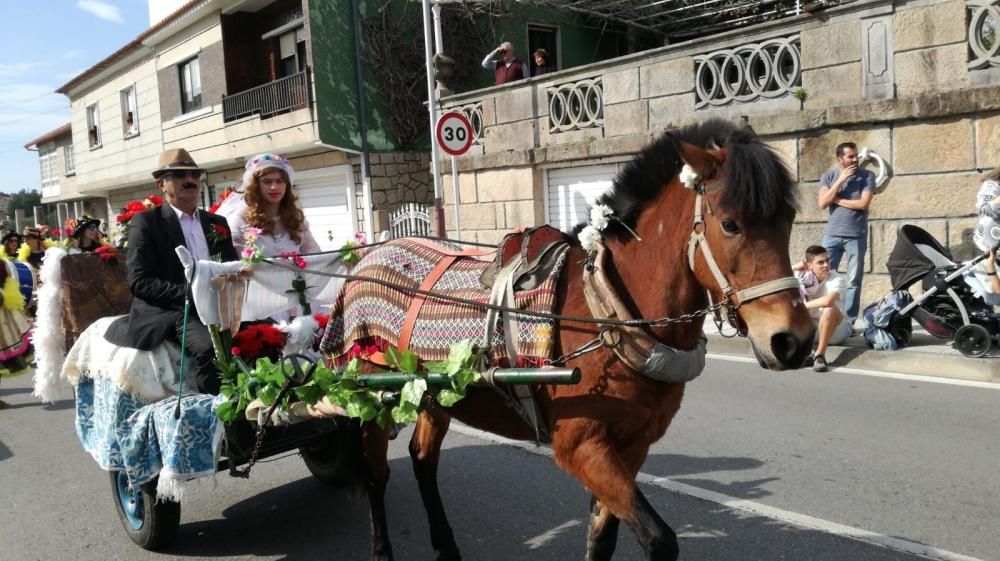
155, 199
235, 351
135, 206
221, 231
106, 253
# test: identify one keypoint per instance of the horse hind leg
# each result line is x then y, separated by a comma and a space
375, 443
425, 453
602, 537
598, 467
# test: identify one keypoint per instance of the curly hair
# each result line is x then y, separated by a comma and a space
288, 209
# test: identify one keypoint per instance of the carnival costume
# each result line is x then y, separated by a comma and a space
14, 325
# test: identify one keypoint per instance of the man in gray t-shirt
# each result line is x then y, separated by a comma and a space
847, 192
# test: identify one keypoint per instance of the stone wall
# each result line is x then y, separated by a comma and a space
890, 75
396, 178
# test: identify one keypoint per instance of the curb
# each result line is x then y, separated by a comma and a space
908, 361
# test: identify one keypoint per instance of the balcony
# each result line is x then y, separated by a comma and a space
273, 98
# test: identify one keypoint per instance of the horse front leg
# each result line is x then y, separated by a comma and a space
375, 443
597, 465
602, 536
425, 453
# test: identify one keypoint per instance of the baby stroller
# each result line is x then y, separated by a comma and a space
948, 308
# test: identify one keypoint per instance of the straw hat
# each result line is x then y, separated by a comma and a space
176, 159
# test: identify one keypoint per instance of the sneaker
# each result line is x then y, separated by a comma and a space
819, 363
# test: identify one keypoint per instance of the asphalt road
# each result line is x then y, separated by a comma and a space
757, 466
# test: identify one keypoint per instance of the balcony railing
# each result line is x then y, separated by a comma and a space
280, 96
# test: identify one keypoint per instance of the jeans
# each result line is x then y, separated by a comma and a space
855, 249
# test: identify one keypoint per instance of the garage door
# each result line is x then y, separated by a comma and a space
325, 196
571, 192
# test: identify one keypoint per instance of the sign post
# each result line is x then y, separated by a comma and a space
454, 135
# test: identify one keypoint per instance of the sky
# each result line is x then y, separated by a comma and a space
47, 43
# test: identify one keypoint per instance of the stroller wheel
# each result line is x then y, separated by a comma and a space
902, 335
973, 340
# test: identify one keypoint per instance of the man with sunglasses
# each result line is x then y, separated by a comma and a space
505, 66
155, 273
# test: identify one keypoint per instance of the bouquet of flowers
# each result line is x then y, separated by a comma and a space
130, 210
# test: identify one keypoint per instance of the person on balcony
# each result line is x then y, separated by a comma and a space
542, 64
267, 201
505, 66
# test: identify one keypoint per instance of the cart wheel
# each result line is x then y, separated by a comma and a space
151, 524
335, 458
973, 340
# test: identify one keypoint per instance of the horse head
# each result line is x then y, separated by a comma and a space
744, 207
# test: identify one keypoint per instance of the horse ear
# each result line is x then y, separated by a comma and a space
708, 163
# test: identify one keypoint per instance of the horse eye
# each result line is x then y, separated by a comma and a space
731, 227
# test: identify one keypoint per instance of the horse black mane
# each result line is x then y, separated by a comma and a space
756, 181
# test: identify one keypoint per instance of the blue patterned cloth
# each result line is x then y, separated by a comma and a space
122, 433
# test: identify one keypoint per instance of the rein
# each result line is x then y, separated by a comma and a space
732, 299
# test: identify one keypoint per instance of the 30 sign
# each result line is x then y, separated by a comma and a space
454, 133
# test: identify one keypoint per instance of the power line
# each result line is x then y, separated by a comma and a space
27, 100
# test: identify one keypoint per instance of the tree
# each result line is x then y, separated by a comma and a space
26, 200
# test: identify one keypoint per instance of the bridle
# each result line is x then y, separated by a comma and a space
732, 299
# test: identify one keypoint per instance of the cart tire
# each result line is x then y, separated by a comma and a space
151, 524
973, 340
332, 460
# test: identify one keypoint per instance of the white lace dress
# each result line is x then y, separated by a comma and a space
272, 245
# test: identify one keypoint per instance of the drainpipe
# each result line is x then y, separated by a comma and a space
366, 185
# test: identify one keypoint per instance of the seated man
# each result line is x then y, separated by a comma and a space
155, 273
823, 290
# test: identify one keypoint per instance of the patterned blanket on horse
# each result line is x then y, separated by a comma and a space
369, 316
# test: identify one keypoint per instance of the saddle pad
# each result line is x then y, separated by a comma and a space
370, 316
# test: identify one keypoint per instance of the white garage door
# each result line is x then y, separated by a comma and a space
571, 192
326, 197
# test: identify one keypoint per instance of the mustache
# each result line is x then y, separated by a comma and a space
189, 185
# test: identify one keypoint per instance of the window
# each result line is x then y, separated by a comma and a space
93, 126
47, 161
292, 52
190, 85
130, 113
69, 160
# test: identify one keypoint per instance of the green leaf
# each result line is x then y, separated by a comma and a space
448, 397
383, 418
226, 411
465, 377
405, 361
405, 413
310, 393
268, 394
413, 391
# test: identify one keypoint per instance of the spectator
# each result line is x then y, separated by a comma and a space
505, 66
847, 192
11, 241
542, 65
33, 249
823, 290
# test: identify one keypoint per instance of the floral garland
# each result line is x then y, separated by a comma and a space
251, 251
600, 217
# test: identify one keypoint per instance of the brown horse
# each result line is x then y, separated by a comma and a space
602, 428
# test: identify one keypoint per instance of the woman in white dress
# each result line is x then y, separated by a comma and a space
268, 202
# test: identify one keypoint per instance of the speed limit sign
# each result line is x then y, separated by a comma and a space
454, 133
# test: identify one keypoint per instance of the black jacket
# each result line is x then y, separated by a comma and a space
156, 276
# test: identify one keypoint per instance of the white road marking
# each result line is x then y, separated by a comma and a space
876, 373
781, 515
549, 535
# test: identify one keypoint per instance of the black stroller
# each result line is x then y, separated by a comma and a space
948, 307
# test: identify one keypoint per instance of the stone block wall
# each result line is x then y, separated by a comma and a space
396, 178
892, 75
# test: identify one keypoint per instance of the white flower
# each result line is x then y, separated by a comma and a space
689, 177
589, 238
599, 215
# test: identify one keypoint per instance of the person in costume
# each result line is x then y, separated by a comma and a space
32, 251
10, 243
85, 234
15, 348
267, 201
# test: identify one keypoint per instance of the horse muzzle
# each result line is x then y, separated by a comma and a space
787, 351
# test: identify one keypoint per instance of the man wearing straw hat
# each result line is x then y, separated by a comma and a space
155, 274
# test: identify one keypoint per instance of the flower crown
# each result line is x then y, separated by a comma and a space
264, 161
